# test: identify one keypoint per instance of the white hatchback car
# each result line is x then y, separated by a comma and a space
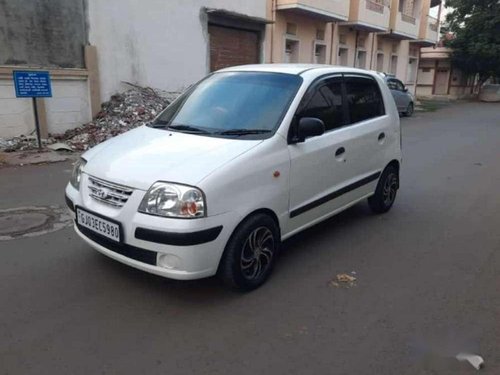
244, 159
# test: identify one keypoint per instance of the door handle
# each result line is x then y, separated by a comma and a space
381, 136
339, 151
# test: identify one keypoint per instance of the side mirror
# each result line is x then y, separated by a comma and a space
309, 127
405, 89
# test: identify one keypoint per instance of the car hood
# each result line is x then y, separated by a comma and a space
145, 155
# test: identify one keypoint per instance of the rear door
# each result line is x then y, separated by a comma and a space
366, 134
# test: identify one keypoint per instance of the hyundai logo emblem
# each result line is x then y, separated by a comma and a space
101, 193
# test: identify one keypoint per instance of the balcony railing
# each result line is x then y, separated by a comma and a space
433, 23
375, 6
407, 18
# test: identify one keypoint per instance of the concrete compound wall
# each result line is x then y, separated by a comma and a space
43, 33
68, 108
47, 35
162, 44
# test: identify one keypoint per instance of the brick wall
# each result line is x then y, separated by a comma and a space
229, 47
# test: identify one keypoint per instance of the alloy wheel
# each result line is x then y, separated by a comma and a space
390, 189
257, 253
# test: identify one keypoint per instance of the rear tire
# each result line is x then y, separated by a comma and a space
250, 253
386, 191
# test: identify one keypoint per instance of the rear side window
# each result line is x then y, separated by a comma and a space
326, 104
394, 84
364, 99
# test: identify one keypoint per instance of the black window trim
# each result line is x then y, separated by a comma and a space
317, 83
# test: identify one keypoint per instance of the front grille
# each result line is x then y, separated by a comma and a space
132, 252
109, 193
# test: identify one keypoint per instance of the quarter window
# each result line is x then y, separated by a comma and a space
326, 104
363, 99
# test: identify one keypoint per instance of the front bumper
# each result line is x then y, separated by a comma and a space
180, 249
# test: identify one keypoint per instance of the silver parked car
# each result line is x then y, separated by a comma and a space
404, 100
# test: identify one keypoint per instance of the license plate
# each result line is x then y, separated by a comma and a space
98, 225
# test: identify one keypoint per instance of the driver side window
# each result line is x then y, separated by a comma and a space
326, 104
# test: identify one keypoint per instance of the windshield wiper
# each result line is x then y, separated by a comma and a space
188, 128
243, 131
158, 124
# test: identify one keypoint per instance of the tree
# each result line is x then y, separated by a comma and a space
476, 43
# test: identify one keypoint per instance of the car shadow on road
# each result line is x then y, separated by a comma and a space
295, 252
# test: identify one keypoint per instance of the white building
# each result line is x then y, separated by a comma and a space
171, 44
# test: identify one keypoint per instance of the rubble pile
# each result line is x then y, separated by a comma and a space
23, 143
121, 113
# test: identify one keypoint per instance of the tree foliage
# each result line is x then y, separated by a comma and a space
476, 27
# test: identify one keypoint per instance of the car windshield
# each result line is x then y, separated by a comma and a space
232, 104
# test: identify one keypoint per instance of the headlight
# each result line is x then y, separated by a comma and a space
173, 200
76, 175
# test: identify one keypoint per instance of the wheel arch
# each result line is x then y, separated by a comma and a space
265, 211
396, 164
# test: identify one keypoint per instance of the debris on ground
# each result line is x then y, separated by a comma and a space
343, 280
476, 361
60, 147
23, 143
123, 112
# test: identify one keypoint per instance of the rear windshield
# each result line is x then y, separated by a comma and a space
232, 104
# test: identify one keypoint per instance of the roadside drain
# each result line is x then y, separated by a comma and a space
32, 221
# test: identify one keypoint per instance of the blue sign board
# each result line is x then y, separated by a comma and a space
32, 84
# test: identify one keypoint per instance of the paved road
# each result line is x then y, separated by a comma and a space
428, 282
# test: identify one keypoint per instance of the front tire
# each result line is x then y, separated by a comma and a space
386, 191
250, 253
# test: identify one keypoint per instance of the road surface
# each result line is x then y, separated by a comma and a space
427, 282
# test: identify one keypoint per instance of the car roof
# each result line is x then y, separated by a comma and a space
296, 69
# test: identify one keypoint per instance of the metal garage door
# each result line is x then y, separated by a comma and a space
229, 47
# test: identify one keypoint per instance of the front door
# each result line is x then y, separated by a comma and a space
441, 85
317, 164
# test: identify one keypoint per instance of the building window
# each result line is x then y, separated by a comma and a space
343, 55
394, 64
361, 59
291, 51
319, 53
380, 62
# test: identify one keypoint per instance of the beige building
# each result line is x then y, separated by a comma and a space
438, 78
382, 35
